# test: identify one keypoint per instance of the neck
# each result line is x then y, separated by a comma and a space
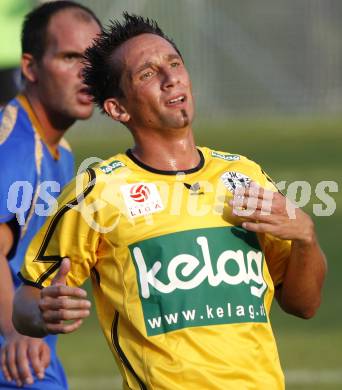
172, 150
52, 125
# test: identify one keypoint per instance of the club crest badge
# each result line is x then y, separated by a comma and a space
234, 180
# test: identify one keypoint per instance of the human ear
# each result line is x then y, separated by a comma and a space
29, 67
116, 110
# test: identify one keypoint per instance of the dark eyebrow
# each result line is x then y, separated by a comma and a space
146, 65
173, 57
71, 53
149, 64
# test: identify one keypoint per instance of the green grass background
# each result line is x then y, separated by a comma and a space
288, 149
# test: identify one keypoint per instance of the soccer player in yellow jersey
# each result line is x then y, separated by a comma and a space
185, 245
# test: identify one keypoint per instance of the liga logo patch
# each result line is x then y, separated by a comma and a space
141, 199
140, 193
234, 180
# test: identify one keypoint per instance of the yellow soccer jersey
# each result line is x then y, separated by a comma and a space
183, 293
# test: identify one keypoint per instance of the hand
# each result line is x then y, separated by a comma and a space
19, 352
265, 211
60, 303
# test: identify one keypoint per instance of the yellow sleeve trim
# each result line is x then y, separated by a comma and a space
8, 122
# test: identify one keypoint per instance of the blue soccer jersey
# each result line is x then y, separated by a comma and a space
32, 176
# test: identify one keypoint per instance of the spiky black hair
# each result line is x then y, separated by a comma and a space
101, 75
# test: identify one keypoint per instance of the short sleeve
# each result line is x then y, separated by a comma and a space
18, 170
277, 253
67, 233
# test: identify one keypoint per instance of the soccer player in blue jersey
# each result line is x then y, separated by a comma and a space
36, 162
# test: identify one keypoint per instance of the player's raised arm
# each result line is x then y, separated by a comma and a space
57, 308
271, 213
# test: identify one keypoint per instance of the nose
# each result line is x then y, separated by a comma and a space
80, 69
170, 78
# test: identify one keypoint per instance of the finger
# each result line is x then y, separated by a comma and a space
64, 328
57, 291
242, 190
45, 355
23, 363
251, 204
242, 211
4, 368
55, 316
62, 273
11, 364
266, 207
258, 227
35, 359
259, 192
48, 303
258, 216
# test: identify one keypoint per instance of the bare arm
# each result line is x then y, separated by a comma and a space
41, 312
27, 317
269, 212
6, 284
300, 293
17, 352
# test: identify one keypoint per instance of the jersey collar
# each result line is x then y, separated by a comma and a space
162, 172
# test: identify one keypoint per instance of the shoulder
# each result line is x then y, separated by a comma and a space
111, 166
14, 123
228, 159
95, 192
217, 155
237, 166
95, 176
17, 143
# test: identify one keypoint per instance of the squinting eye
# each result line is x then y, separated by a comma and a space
174, 64
146, 75
70, 57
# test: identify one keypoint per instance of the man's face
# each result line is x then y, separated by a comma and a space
155, 83
59, 83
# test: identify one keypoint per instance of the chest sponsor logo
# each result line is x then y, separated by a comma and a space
141, 199
234, 180
200, 277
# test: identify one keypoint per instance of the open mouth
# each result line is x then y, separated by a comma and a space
177, 100
83, 96
84, 90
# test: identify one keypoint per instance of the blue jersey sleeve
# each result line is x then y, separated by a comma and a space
17, 168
